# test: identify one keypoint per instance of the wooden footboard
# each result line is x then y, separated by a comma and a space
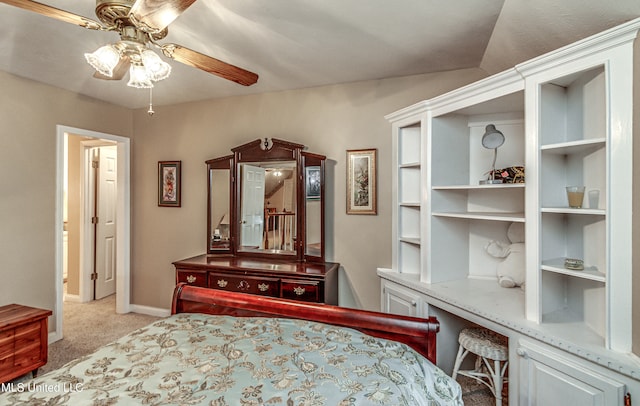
420, 334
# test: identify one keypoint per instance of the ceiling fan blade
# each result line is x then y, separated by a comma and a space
209, 64
119, 71
153, 16
56, 13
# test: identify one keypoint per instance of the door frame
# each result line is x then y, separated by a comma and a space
123, 228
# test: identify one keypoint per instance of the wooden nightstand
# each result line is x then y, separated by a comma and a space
23, 340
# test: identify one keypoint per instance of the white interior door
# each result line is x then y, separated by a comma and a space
252, 217
106, 203
289, 195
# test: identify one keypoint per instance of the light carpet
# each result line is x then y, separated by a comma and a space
87, 326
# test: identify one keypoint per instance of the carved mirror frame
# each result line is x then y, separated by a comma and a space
224, 223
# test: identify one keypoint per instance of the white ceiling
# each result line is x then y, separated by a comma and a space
294, 44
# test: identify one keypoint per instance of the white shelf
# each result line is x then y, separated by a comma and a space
490, 216
568, 210
557, 265
567, 324
410, 165
409, 204
572, 147
480, 187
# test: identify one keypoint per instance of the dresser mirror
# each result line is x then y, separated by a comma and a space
267, 200
314, 205
219, 207
268, 207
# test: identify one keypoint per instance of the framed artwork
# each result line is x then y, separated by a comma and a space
169, 183
312, 182
361, 181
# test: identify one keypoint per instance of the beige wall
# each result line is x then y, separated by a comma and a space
329, 120
29, 113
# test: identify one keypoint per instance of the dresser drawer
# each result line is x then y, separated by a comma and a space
196, 278
307, 291
242, 283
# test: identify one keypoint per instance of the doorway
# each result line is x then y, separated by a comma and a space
104, 161
91, 218
115, 150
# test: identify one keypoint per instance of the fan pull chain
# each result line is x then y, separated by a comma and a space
150, 111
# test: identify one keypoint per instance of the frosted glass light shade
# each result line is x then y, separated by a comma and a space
157, 69
104, 59
138, 77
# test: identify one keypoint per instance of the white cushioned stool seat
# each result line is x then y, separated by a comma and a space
491, 350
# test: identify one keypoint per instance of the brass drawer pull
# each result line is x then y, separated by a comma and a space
243, 285
222, 283
299, 290
263, 287
191, 278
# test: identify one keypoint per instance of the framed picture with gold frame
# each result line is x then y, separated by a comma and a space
361, 181
169, 183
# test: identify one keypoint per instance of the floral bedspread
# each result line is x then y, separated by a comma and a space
196, 359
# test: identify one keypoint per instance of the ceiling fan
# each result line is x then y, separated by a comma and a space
141, 24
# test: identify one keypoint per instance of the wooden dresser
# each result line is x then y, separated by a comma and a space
23, 340
304, 281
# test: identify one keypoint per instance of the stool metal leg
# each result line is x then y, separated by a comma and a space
497, 382
496, 378
459, 358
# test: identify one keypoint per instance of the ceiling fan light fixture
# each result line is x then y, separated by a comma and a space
104, 59
157, 69
139, 24
138, 77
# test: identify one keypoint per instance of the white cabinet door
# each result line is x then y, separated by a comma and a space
396, 300
547, 377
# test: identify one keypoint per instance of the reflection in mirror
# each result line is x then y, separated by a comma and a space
219, 210
268, 207
313, 211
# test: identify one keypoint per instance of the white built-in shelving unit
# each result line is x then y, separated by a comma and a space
567, 117
408, 170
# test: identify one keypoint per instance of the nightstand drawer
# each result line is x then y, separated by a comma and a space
27, 342
246, 284
297, 290
196, 278
7, 348
6, 342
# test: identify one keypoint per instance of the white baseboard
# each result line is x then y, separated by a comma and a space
54, 336
72, 298
151, 311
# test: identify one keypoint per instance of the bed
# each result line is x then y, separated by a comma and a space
223, 348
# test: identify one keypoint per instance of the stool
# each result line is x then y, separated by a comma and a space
491, 350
